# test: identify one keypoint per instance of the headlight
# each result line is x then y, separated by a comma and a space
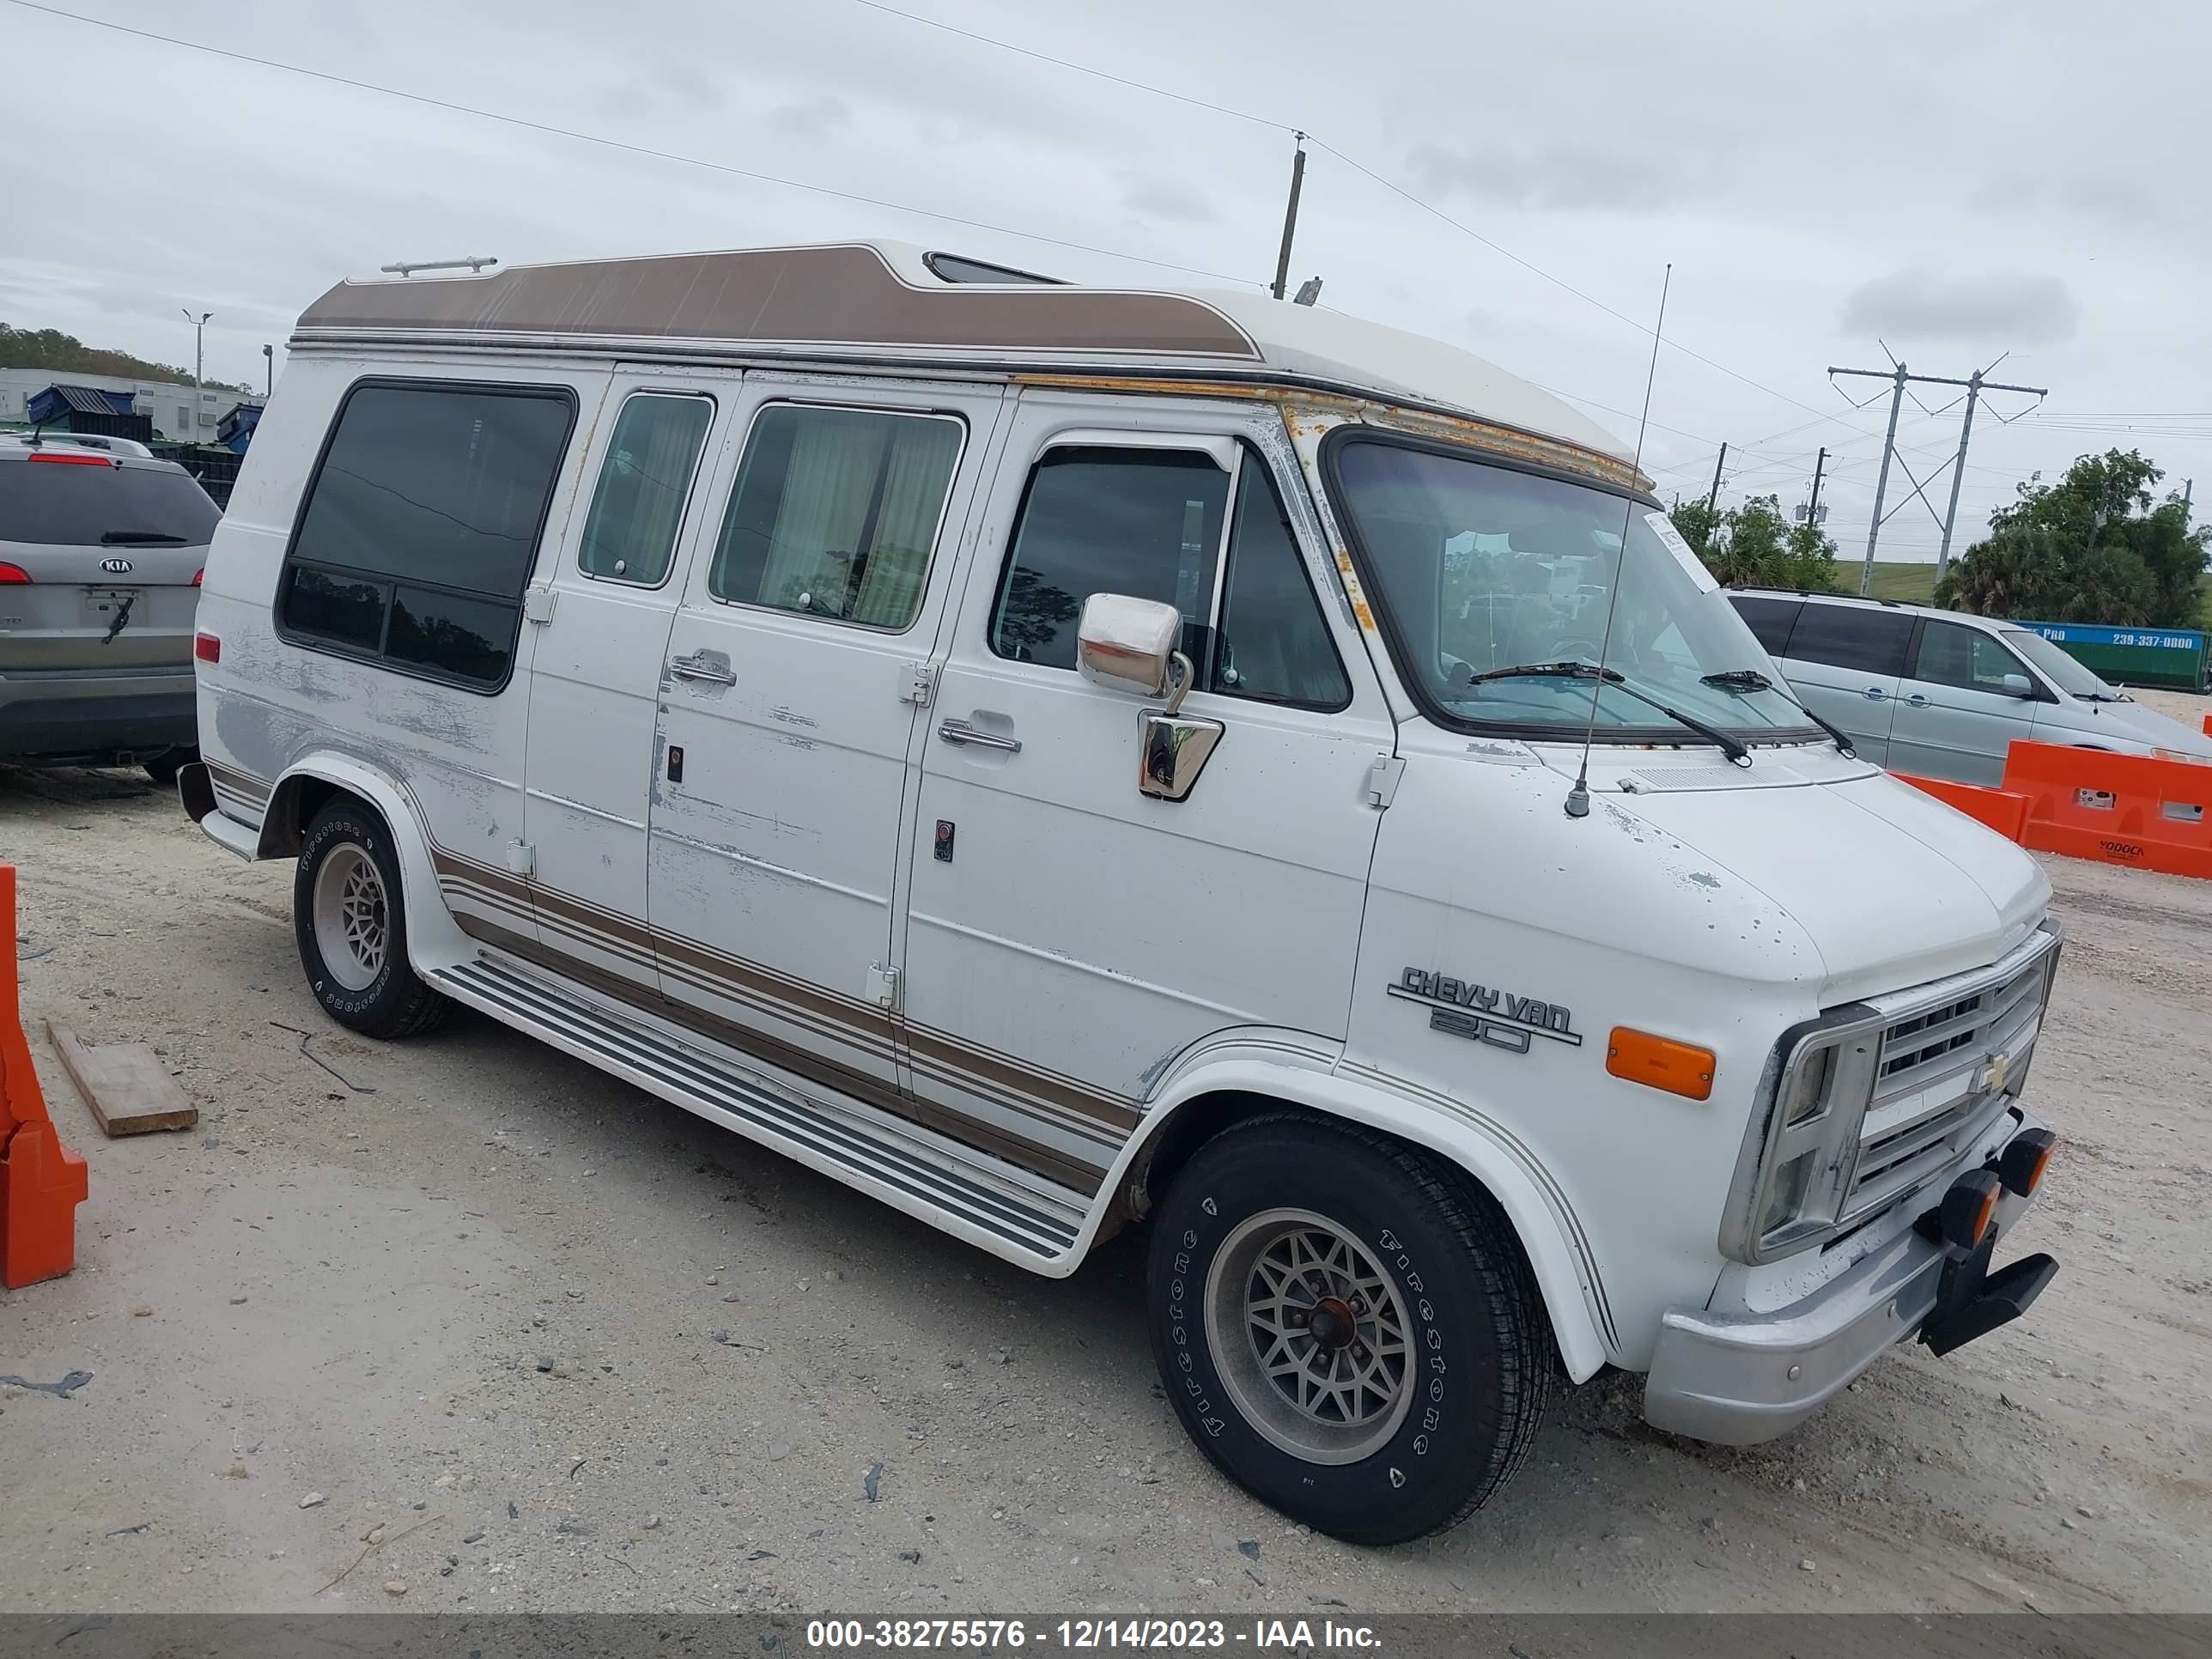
1804, 1135
1805, 1094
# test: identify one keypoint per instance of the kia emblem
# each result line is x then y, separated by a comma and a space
116, 567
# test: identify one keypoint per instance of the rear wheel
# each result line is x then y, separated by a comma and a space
1348, 1330
351, 922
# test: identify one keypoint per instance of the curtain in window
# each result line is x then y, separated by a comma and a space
919, 472
836, 461
639, 504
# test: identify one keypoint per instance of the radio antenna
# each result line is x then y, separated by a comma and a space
1579, 797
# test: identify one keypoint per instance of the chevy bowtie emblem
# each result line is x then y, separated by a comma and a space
1993, 1075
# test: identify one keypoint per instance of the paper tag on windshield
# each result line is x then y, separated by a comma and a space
1685, 554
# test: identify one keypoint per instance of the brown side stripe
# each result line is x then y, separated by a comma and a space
936, 1054
1026, 1154
882, 1046
238, 783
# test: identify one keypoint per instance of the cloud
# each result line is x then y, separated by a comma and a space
813, 117
2108, 196
1917, 302
1164, 198
1559, 177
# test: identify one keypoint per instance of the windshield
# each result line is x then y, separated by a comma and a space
1481, 568
2061, 670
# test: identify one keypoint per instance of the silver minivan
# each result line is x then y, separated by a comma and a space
1941, 694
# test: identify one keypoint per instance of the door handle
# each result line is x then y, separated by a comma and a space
956, 731
1875, 694
695, 668
1916, 701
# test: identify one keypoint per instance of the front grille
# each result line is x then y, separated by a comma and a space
1933, 1095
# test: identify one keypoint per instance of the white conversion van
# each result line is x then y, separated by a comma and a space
1058, 758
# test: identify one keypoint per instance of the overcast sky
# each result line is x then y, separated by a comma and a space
1958, 180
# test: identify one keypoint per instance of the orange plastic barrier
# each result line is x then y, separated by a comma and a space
2002, 809
2129, 810
41, 1182
2208, 726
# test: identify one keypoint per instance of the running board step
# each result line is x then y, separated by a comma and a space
927, 1175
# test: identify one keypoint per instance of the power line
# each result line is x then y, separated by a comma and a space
619, 144
1081, 68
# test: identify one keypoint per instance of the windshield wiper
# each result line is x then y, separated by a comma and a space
1734, 747
1539, 671
140, 538
1750, 679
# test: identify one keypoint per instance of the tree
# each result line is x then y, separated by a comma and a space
65, 354
1754, 546
2090, 548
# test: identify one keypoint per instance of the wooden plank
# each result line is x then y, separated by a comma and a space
129, 1090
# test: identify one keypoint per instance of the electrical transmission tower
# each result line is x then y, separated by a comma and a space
1896, 375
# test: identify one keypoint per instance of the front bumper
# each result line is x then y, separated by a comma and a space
1742, 1379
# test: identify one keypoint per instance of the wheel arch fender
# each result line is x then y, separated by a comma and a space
434, 940
1565, 1275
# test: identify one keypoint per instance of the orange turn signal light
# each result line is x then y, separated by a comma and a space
1969, 1209
2023, 1160
1657, 1062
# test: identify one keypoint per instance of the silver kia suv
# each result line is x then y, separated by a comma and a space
100, 555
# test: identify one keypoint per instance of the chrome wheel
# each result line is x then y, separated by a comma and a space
1310, 1336
353, 928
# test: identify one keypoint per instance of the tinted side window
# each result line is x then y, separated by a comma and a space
1273, 644
1861, 638
1964, 657
1770, 620
422, 523
76, 504
1142, 522
835, 513
644, 482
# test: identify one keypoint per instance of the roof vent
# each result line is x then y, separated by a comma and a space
475, 262
955, 268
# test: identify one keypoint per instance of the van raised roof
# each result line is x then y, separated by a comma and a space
883, 301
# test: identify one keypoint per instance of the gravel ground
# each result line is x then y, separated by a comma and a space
461, 1322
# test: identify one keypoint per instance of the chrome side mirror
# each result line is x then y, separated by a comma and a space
1125, 644
2019, 685
1128, 644
1173, 749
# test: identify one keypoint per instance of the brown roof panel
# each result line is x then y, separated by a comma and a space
847, 297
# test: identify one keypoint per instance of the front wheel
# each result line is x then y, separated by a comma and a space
352, 923
1349, 1331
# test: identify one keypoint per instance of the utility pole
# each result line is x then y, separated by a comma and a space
199, 362
1713, 495
1813, 507
268, 372
1290, 217
1881, 483
1958, 474
1899, 376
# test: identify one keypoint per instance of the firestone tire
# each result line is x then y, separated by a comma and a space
1349, 1331
350, 918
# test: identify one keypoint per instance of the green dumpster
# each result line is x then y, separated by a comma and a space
2175, 657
